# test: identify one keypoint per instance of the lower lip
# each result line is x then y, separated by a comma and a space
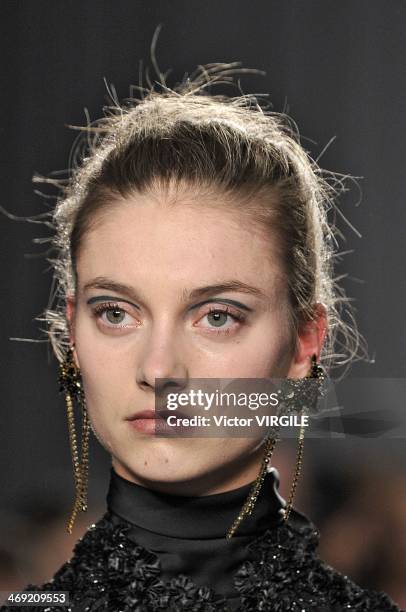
147, 426
152, 426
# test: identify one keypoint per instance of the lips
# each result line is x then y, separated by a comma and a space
144, 414
151, 422
159, 415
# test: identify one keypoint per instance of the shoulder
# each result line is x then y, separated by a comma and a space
287, 559
109, 571
84, 569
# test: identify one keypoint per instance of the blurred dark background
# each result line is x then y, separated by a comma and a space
339, 69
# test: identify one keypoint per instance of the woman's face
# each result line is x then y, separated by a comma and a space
148, 276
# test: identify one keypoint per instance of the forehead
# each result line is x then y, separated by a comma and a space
143, 239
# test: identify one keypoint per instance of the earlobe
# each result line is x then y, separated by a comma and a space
311, 337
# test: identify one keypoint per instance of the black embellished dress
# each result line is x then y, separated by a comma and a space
155, 552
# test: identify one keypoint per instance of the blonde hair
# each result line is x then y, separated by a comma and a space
234, 145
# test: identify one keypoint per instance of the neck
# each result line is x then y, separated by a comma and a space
194, 516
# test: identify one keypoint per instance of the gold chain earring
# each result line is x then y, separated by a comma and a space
255, 489
71, 385
316, 372
297, 392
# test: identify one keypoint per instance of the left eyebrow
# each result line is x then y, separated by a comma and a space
231, 285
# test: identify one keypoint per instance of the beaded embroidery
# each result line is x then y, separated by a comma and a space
110, 572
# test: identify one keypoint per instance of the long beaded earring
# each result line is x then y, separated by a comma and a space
316, 372
255, 489
71, 385
298, 393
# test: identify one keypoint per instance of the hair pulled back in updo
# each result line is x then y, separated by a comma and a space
233, 146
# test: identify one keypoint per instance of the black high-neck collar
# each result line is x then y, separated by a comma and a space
203, 517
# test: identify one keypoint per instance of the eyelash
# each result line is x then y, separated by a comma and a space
100, 309
238, 317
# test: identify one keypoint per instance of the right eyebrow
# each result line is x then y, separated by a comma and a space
101, 282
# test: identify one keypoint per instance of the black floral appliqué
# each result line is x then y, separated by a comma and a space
109, 572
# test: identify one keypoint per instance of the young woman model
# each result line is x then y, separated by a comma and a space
193, 243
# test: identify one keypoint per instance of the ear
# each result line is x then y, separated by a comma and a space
70, 316
310, 340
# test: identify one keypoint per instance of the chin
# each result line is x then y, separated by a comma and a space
158, 475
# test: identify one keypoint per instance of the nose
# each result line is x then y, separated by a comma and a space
161, 365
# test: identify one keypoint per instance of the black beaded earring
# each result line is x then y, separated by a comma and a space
71, 385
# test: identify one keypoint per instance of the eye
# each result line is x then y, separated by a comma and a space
223, 320
218, 318
113, 316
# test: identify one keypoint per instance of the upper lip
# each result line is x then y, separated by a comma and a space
152, 414
144, 414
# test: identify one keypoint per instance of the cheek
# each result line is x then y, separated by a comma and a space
109, 367
103, 370
103, 403
104, 386
265, 352
106, 391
